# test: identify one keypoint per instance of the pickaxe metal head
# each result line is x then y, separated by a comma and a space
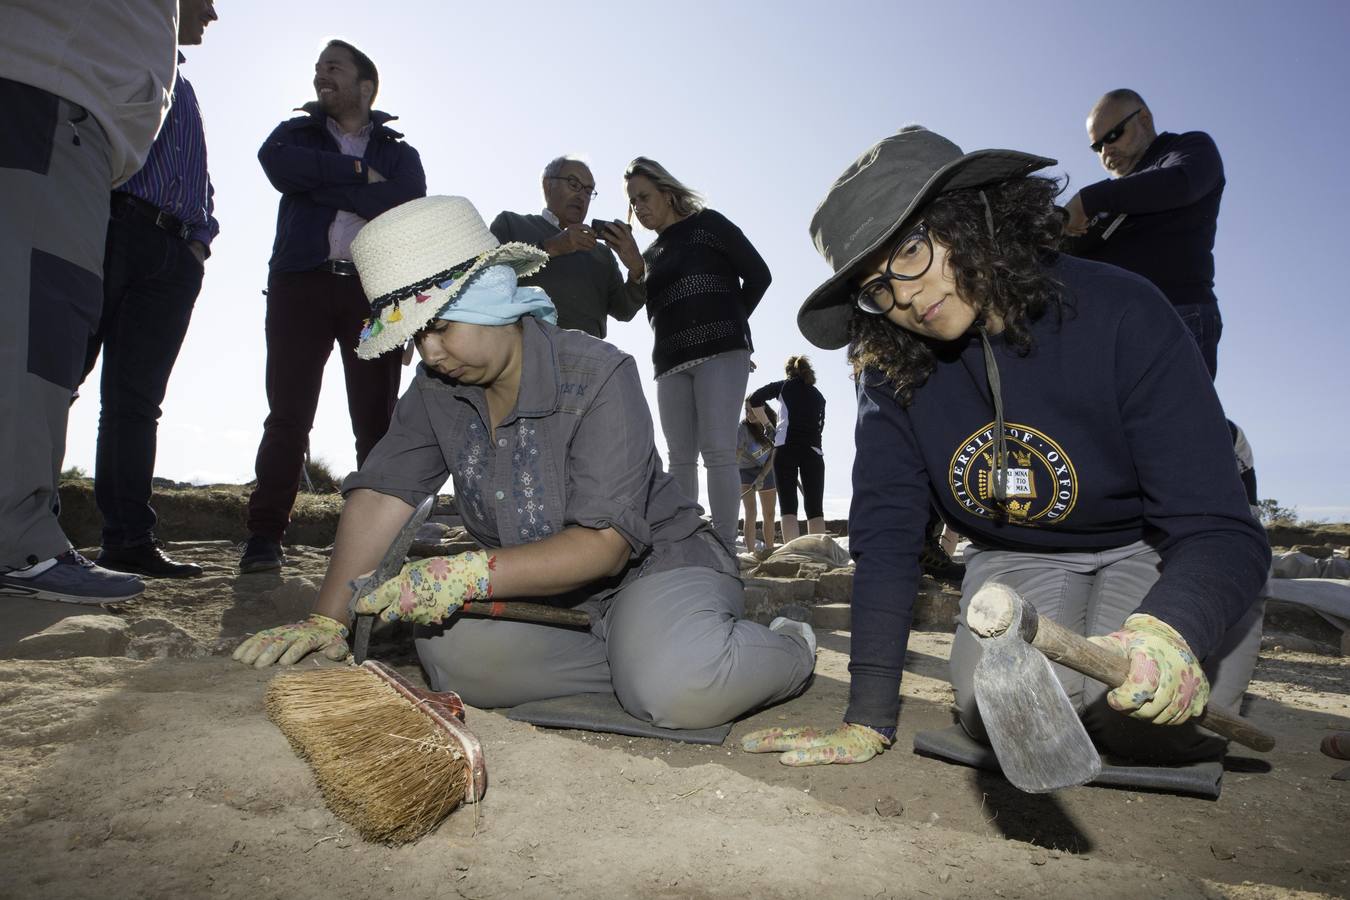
1040, 742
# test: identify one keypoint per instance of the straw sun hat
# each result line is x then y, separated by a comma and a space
417, 258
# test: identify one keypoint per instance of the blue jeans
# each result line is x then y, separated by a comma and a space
1205, 324
150, 284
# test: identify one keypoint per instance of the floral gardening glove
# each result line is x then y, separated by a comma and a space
430, 590
848, 743
1166, 685
321, 633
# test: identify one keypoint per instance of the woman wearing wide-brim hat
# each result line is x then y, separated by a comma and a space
547, 437
1056, 412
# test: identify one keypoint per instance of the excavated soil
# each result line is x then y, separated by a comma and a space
160, 776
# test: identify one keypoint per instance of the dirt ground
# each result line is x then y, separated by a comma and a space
161, 777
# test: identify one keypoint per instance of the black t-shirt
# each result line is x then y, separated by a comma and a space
802, 417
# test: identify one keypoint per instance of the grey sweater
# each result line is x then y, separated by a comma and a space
585, 287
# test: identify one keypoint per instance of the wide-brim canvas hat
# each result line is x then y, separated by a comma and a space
416, 259
878, 194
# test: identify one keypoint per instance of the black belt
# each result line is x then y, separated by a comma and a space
175, 226
338, 267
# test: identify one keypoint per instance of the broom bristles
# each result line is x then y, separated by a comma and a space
383, 765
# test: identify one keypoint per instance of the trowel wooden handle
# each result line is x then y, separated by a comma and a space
1078, 653
524, 611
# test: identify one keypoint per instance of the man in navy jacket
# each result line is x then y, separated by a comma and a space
337, 167
1157, 216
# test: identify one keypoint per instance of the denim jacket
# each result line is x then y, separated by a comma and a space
577, 450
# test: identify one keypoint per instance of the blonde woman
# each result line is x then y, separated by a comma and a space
704, 279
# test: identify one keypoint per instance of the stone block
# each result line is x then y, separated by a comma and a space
160, 639
293, 599
763, 596
835, 586
778, 568
832, 617
936, 607
94, 635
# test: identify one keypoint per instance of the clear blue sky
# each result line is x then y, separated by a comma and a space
760, 105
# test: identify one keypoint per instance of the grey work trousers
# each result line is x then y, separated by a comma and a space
700, 411
1093, 594
54, 180
671, 646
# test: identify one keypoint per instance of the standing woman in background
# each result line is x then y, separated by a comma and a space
801, 419
704, 279
754, 456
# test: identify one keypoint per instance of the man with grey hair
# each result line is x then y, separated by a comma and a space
582, 276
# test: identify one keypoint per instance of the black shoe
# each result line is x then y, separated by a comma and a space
146, 559
261, 555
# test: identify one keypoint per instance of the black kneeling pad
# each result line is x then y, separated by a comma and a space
602, 712
1199, 779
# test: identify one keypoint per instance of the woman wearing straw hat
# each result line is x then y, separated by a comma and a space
1057, 413
547, 437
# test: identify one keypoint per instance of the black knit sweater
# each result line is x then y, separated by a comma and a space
704, 278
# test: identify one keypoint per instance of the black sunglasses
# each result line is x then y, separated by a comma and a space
1114, 134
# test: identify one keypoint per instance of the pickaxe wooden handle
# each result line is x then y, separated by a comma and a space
992, 611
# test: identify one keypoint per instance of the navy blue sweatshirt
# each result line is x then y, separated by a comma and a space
304, 163
1171, 207
1115, 435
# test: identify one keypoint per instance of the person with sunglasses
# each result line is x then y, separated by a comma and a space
1157, 217
1158, 212
1055, 412
582, 276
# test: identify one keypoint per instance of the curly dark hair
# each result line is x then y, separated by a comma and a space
1005, 274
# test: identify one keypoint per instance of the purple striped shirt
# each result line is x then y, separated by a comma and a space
174, 176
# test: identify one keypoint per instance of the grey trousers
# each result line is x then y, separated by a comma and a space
700, 412
54, 182
671, 646
1093, 594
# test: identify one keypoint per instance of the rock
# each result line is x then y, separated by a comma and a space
432, 533
292, 599
161, 639
936, 606
97, 635
778, 568
1283, 640
763, 596
835, 586
889, 807
832, 617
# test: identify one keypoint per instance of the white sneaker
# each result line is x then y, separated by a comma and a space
784, 625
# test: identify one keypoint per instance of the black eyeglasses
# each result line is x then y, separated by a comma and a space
1114, 134
909, 261
576, 185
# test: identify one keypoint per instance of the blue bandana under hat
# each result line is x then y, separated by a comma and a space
493, 298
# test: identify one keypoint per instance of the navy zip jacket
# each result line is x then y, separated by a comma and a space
1114, 434
1171, 207
302, 160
